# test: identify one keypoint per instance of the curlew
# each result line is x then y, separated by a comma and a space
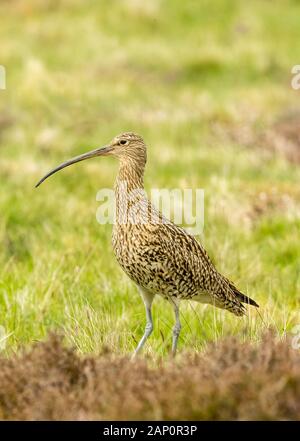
160, 257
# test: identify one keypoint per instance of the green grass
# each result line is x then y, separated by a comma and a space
176, 72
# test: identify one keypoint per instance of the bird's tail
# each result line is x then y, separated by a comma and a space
242, 297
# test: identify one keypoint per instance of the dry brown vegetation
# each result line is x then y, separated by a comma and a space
284, 136
281, 138
230, 380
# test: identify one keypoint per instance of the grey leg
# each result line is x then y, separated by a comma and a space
177, 326
148, 299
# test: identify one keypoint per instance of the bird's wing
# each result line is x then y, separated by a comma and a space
185, 267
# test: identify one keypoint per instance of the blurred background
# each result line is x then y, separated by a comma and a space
208, 86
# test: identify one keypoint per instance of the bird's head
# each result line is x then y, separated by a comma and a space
128, 148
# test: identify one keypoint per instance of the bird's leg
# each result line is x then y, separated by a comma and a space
148, 299
177, 326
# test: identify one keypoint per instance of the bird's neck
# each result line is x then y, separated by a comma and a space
131, 198
132, 174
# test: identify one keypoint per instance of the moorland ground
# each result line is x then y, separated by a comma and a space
229, 380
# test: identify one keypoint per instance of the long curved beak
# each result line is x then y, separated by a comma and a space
102, 151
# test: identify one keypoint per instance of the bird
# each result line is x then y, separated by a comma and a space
160, 257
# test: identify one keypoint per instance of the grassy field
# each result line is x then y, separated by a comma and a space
207, 84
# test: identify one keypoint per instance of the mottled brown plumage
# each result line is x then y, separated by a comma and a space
160, 257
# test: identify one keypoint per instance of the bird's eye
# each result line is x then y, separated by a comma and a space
123, 142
